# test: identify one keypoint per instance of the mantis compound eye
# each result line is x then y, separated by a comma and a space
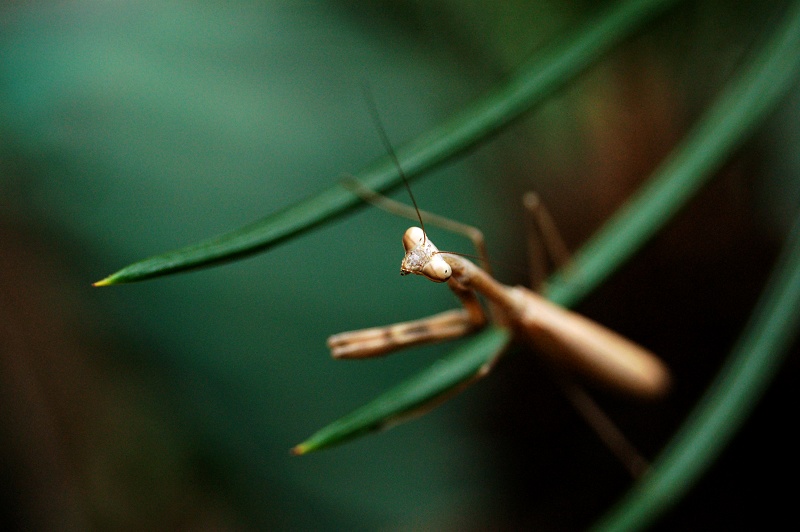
437, 269
413, 237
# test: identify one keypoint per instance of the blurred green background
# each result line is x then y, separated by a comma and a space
131, 129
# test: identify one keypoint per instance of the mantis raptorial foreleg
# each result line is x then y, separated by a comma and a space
377, 341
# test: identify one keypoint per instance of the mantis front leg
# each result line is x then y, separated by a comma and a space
378, 341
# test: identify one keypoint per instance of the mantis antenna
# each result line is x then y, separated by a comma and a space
376, 118
422, 257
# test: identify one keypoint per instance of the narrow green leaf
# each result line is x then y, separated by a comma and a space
738, 111
537, 79
414, 394
756, 357
726, 404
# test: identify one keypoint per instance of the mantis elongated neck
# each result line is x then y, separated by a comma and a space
472, 277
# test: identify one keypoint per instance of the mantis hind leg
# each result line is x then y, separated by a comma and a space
604, 427
546, 248
547, 252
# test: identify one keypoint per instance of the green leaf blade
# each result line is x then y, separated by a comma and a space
743, 106
537, 79
248, 240
726, 404
424, 389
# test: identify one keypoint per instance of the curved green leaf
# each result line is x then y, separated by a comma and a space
728, 401
414, 395
540, 77
737, 112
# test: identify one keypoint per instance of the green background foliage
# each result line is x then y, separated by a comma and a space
130, 130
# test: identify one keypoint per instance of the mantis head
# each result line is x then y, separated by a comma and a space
423, 258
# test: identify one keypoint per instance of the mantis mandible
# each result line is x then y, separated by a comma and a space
569, 341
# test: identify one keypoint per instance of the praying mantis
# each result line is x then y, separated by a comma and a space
570, 342
563, 336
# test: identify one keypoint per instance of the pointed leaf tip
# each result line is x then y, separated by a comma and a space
104, 282
299, 449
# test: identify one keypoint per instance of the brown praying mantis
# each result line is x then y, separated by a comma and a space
565, 337
570, 342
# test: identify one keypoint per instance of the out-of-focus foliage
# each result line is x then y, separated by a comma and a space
128, 129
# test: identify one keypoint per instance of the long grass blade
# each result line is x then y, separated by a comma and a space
773, 326
726, 404
738, 111
414, 395
544, 74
